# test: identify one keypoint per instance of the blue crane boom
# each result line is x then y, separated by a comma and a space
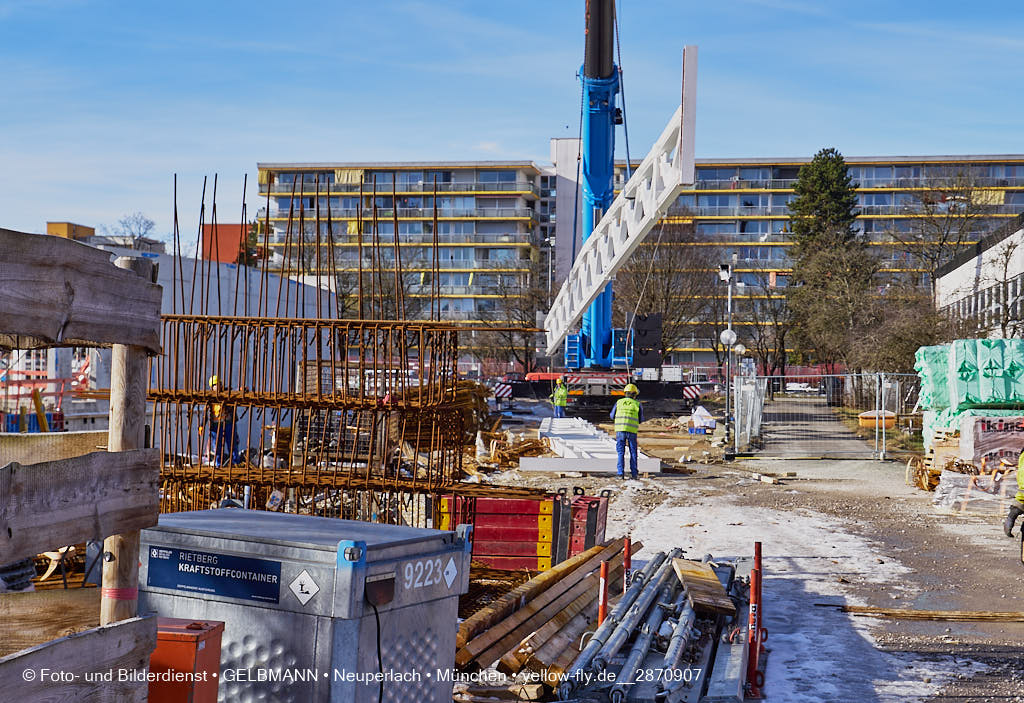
600, 79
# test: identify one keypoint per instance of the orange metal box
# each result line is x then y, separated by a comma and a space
188, 650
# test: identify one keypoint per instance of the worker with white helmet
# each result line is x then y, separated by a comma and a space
628, 414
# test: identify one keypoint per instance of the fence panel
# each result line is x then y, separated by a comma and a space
863, 415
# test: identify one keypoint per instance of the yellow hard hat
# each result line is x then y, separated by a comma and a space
214, 381
558, 380
631, 388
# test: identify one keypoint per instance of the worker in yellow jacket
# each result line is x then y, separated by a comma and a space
560, 397
628, 414
223, 435
1017, 506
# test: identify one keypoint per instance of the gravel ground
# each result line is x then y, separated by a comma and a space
892, 550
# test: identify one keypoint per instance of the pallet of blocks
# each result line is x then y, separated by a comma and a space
536, 627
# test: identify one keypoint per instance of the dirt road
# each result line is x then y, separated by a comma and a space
846, 532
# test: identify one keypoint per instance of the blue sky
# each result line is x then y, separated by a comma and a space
104, 101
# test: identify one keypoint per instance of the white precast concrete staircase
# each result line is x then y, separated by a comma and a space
582, 447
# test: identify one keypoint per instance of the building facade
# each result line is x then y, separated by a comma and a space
491, 217
982, 289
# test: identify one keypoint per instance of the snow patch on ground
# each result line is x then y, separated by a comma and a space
817, 653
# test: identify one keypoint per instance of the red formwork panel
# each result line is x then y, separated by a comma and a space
511, 549
492, 533
589, 521
514, 563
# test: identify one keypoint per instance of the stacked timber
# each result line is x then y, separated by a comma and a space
537, 626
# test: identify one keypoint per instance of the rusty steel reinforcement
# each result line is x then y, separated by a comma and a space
330, 417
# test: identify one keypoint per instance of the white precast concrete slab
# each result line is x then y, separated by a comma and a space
581, 447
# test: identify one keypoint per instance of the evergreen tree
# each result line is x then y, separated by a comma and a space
825, 203
833, 272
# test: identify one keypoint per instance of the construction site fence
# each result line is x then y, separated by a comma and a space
878, 409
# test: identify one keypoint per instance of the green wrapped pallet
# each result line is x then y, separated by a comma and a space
932, 366
986, 373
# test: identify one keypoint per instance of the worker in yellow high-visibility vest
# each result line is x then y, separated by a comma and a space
560, 397
628, 414
1017, 506
223, 435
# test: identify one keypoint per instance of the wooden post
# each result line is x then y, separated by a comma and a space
37, 400
129, 379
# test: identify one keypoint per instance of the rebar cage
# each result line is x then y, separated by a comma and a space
343, 418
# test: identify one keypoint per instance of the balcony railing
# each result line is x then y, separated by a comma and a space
344, 239
424, 263
783, 211
385, 213
308, 188
889, 182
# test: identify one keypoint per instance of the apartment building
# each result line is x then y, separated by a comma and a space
739, 208
490, 221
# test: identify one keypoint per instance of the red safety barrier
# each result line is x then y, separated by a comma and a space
602, 596
754, 677
756, 633
627, 563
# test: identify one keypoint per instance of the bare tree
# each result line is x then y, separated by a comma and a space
943, 218
519, 299
766, 319
672, 275
133, 227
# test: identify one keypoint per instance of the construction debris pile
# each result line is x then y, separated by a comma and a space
537, 626
554, 637
972, 393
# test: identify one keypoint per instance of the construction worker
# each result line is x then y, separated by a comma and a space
560, 397
1017, 506
223, 438
628, 414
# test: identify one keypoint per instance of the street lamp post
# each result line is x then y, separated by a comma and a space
727, 338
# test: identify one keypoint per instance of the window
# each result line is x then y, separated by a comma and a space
462, 202
407, 177
687, 201
410, 201
716, 228
454, 227
497, 176
755, 200
755, 174
754, 226
716, 201
381, 178
715, 174
441, 176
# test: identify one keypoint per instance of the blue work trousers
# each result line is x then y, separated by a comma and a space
621, 440
559, 411
225, 444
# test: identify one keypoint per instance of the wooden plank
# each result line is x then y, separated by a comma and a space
517, 597
55, 291
704, 590
126, 645
512, 692
953, 615
514, 660
35, 447
46, 506
523, 622
33, 618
